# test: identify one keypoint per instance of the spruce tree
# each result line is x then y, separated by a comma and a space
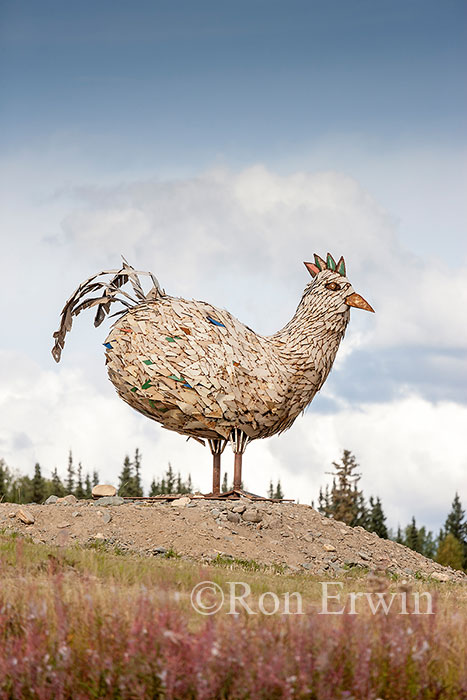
56, 484
38, 485
95, 478
79, 490
225, 485
87, 486
3, 480
377, 519
278, 492
70, 483
154, 489
411, 539
271, 490
125, 486
170, 480
189, 485
346, 502
137, 486
455, 521
399, 536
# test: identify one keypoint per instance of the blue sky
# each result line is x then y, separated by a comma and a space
220, 144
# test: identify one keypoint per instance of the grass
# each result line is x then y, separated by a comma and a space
88, 623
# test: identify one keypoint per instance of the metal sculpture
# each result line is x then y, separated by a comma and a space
199, 371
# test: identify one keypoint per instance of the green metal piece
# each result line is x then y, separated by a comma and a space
146, 384
135, 388
317, 262
177, 379
330, 262
341, 268
148, 362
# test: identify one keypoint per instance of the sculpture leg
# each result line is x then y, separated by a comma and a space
239, 440
217, 447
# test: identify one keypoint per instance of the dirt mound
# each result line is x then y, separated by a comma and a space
276, 534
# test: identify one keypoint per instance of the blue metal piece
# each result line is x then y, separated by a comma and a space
216, 323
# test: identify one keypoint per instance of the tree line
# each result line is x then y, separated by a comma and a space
345, 501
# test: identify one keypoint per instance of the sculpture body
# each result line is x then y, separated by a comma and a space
199, 371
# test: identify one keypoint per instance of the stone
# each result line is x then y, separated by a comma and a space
68, 500
215, 512
99, 537
12, 515
306, 565
233, 517
239, 509
329, 547
101, 490
76, 514
192, 505
63, 523
159, 550
364, 556
183, 501
51, 500
25, 516
106, 517
440, 576
109, 501
252, 516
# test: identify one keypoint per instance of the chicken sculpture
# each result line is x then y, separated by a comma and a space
197, 370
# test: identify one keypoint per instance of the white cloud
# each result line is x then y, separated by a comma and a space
237, 240
410, 451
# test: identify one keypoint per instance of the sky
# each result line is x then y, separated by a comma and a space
220, 145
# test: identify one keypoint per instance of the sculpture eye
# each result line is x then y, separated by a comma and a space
333, 286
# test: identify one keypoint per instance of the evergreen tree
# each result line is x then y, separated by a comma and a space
154, 489
125, 486
189, 485
271, 490
137, 486
377, 519
399, 536
278, 492
38, 485
170, 479
95, 478
3, 480
56, 485
70, 483
79, 490
87, 486
346, 502
456, 525
225, 485
450, 552
426, 543
180, 485
455, 521
411, 539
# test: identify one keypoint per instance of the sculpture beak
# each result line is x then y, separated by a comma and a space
359, 302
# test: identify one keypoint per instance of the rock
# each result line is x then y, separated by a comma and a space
51, 500
99, 537
12, 515
159, 550
67, 500
329, 547
440, 576
183, 501
106, 517
192, 505
25, 516
252, 516
63, 523
109, 501
215, 512
76, 514
239, 509
364, 556
307, 565
101, 490
233, 517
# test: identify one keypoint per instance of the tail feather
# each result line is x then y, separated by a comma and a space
111, 292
